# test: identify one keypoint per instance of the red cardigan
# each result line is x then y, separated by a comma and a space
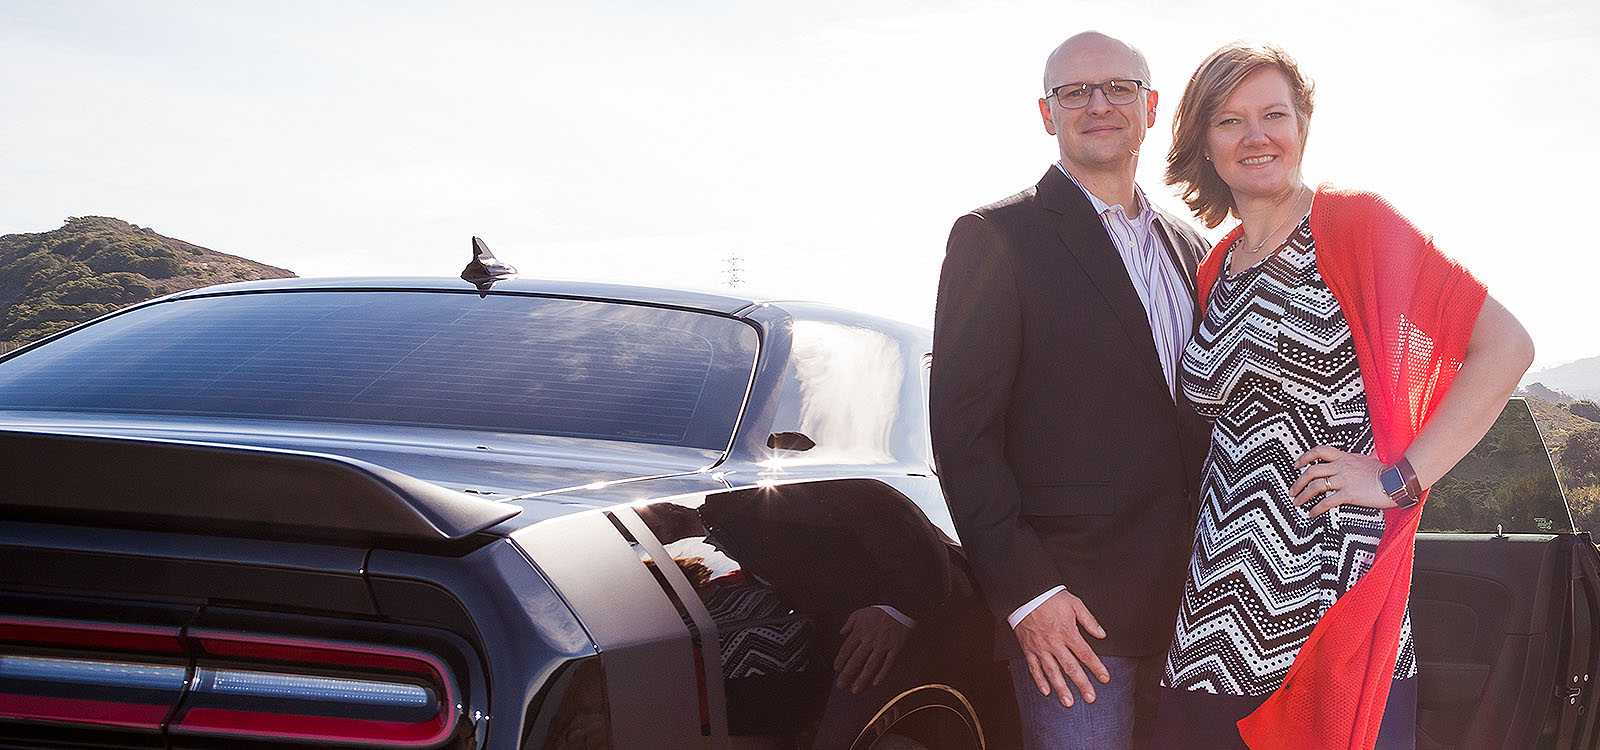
1411, 311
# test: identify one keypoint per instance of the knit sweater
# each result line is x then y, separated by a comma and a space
1411, 311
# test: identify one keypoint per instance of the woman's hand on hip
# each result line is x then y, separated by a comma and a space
1330, 477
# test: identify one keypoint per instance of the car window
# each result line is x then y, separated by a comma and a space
844, 387
1505, 483
500, 363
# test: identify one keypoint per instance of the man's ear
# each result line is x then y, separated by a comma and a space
1150, 111
1044, 113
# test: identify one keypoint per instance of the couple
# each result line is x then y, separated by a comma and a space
1166, 466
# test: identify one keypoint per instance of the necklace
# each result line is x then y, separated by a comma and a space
1269, 235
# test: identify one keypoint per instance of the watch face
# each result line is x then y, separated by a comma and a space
1391, 480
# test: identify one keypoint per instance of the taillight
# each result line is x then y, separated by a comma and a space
264, 687
42, 631
89, 674
217, 684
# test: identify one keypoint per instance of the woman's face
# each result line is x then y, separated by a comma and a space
1254, 139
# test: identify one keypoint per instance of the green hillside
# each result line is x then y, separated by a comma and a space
92, 265
1558, 424
1560, 427
1506, 480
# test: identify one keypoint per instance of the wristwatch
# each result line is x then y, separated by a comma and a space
1400, 484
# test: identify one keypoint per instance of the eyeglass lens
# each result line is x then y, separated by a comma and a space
1117, 91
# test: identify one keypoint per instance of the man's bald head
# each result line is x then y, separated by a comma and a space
1093, 56
1094, 134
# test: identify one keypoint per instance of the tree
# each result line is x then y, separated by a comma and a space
1587, 409
1585, 504
1581, 457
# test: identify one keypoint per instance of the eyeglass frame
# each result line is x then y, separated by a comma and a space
1100, 87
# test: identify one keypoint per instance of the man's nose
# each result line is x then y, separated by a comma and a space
1098, 101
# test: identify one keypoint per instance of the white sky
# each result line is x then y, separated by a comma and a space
830, 144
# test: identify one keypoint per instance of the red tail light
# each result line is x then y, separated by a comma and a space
293, 689
43, 631
89, 674
224, 685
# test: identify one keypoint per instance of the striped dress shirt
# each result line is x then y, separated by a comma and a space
1168, 304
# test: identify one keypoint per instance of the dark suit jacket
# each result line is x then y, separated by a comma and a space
1060, 450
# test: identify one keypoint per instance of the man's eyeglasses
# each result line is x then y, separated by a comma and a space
1117, 91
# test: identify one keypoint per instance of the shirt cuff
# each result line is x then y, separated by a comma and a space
897, 615
1033, 604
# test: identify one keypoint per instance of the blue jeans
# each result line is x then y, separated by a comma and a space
1121, 717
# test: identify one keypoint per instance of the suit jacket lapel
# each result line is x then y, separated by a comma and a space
1184, 259
1182, 255
1085, 238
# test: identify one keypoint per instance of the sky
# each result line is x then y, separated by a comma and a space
829, 145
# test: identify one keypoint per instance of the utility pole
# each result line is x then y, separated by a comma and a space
733, 270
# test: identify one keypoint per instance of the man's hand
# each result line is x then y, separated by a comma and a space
1056, 650
872, 641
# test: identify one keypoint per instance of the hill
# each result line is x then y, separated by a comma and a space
1580, 379
92, 265
1544, 393
1505, 480
1557, 423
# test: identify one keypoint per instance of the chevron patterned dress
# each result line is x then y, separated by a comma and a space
1273, 366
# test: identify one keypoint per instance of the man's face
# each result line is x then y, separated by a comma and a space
1100, 135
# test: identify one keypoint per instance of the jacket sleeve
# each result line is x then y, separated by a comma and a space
977, 347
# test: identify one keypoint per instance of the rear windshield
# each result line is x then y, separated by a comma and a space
500, 363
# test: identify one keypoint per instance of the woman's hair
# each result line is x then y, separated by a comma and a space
1211, 85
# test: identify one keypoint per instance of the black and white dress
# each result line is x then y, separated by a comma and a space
1273, 365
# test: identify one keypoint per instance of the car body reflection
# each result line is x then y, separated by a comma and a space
782, 568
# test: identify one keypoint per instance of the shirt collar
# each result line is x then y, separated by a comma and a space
1102, 208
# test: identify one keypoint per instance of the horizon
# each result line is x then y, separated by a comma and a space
630, 143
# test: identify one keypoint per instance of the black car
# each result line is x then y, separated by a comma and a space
424, 513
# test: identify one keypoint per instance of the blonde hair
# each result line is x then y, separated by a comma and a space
1211, 85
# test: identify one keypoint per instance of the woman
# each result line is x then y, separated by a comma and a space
1347, 365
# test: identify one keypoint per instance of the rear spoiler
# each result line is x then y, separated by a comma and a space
173, 485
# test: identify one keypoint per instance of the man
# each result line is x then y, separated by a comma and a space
1067, 452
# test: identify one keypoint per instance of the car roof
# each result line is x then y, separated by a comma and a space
716, 302
722, 303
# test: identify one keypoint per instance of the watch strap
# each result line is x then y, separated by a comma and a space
1409, 475
1393, 481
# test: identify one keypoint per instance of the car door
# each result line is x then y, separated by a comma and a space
1504, 603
